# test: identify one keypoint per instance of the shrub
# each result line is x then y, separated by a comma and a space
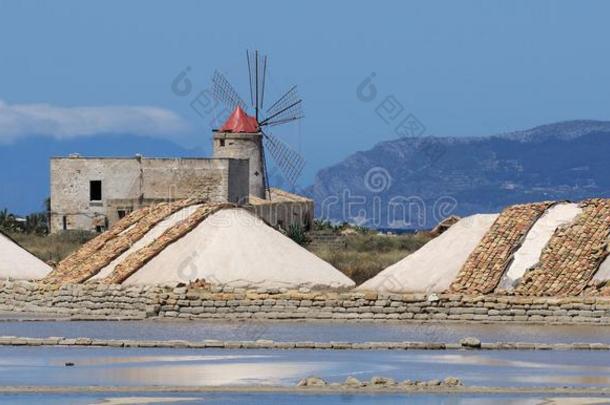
297, 234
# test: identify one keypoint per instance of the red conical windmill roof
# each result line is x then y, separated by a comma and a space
239, 121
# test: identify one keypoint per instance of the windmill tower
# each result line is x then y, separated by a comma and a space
245, 136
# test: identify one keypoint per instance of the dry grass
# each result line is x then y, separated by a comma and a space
365, 255
55, 247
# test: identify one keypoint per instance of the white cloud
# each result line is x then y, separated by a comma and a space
19, 120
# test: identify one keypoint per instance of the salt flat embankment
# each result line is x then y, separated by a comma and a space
102, 301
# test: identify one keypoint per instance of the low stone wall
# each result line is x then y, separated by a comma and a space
98, 301
83, 300
464, 344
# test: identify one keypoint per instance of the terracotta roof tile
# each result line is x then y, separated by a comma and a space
486, 264
573, 255
136, 260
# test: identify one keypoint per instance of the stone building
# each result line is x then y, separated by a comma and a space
91, 193
282, 209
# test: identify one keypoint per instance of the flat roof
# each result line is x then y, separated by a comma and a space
278, 195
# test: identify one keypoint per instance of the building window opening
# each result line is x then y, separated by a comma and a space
122, 213
98, 229
222, 142
64, 222
95, 190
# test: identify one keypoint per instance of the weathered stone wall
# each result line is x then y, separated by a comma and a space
70, 179
284, 214
112, 301
81, 300
128, 183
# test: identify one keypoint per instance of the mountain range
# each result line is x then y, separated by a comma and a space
415, 182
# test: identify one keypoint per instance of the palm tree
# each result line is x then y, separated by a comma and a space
3, 217
36, 223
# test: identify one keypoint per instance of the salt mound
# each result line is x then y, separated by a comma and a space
233, 247
537, 238
17, 263
435, 265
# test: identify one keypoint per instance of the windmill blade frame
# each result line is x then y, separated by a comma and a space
263, 82
257, 74
289, 161
250, 76
223, 92
291, 112
287, 98
284, 121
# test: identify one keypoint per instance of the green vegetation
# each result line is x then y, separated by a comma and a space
34, 223
322, 226
32, 233
297, 234
361, 253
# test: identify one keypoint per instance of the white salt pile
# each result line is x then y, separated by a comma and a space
233, 247
149, 237
17, 263
435, 265
535, 241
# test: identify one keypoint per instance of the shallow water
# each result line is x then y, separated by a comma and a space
307, 331
189, 367
304, 399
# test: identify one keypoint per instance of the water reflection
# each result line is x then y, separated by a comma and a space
188, 367
109, 360
277, 373
487, 360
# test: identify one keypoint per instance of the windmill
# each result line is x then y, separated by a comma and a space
244, 135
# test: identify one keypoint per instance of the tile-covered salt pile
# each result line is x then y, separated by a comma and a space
486, 264
67, 265
136, 260
90, 259
573, 254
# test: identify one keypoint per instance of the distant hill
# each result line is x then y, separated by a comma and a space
24, 165
432, 177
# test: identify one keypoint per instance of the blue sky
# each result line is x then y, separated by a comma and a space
462, 68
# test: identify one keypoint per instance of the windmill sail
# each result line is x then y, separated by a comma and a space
287, 108
289, 161
224, 93
257, 73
